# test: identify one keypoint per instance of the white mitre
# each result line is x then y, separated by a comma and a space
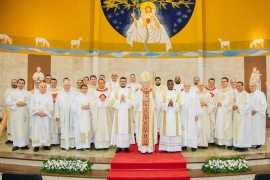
145, 77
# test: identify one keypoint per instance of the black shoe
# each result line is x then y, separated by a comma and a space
15, 148
243, 149
237, 148
97, 149
230, 147
87, 149
167, 152
202, 147
9, 142
118, 150
184, 148
79, 149
36, 149
193, 149
64, 149
46, 147
212, 144
105, 149
127, 150
25, 147
258, 146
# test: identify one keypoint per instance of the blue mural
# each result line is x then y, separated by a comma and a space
148, 21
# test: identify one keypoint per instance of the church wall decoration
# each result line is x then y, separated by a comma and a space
148, 21
155, 26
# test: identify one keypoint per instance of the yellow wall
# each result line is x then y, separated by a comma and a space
62, 21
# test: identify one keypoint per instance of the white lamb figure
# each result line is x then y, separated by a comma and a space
43, 41
75, 43
224, 44
257, 43
6, 38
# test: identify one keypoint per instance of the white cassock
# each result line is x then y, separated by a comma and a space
112, 85
191, 108
149, 32
224, 123
258, 121
55, 125
9, 135
77, 91
41, 132
33, 91
242, 121
102, 121
82, 123
62, 110
145, 121
134, 88
170, 126
48, 86
91, 89
122, 135
194, 88
205, 132
212, 112
178, 87
19, 116
158, 91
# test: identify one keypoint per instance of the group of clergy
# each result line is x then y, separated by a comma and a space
176, 115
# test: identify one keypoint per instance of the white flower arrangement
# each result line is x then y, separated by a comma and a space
225, 165
67, 166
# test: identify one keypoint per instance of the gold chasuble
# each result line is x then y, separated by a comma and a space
145, 120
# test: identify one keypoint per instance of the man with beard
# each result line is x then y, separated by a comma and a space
122, 135
159, 89
7, 92
178, 86
195, 86
19, 102
54, 90
170, 126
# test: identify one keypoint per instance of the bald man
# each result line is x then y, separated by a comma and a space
258, 116
113, 83
190, 112
41, 109
63, 114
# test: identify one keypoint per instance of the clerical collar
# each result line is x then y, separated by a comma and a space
210, 89
102, 90
53, 89
201, 92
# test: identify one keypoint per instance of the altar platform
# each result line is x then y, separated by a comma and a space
30, 161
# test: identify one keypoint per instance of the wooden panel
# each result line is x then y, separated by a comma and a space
34, 61
260, 63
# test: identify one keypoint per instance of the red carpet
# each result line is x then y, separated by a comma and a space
160, 165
